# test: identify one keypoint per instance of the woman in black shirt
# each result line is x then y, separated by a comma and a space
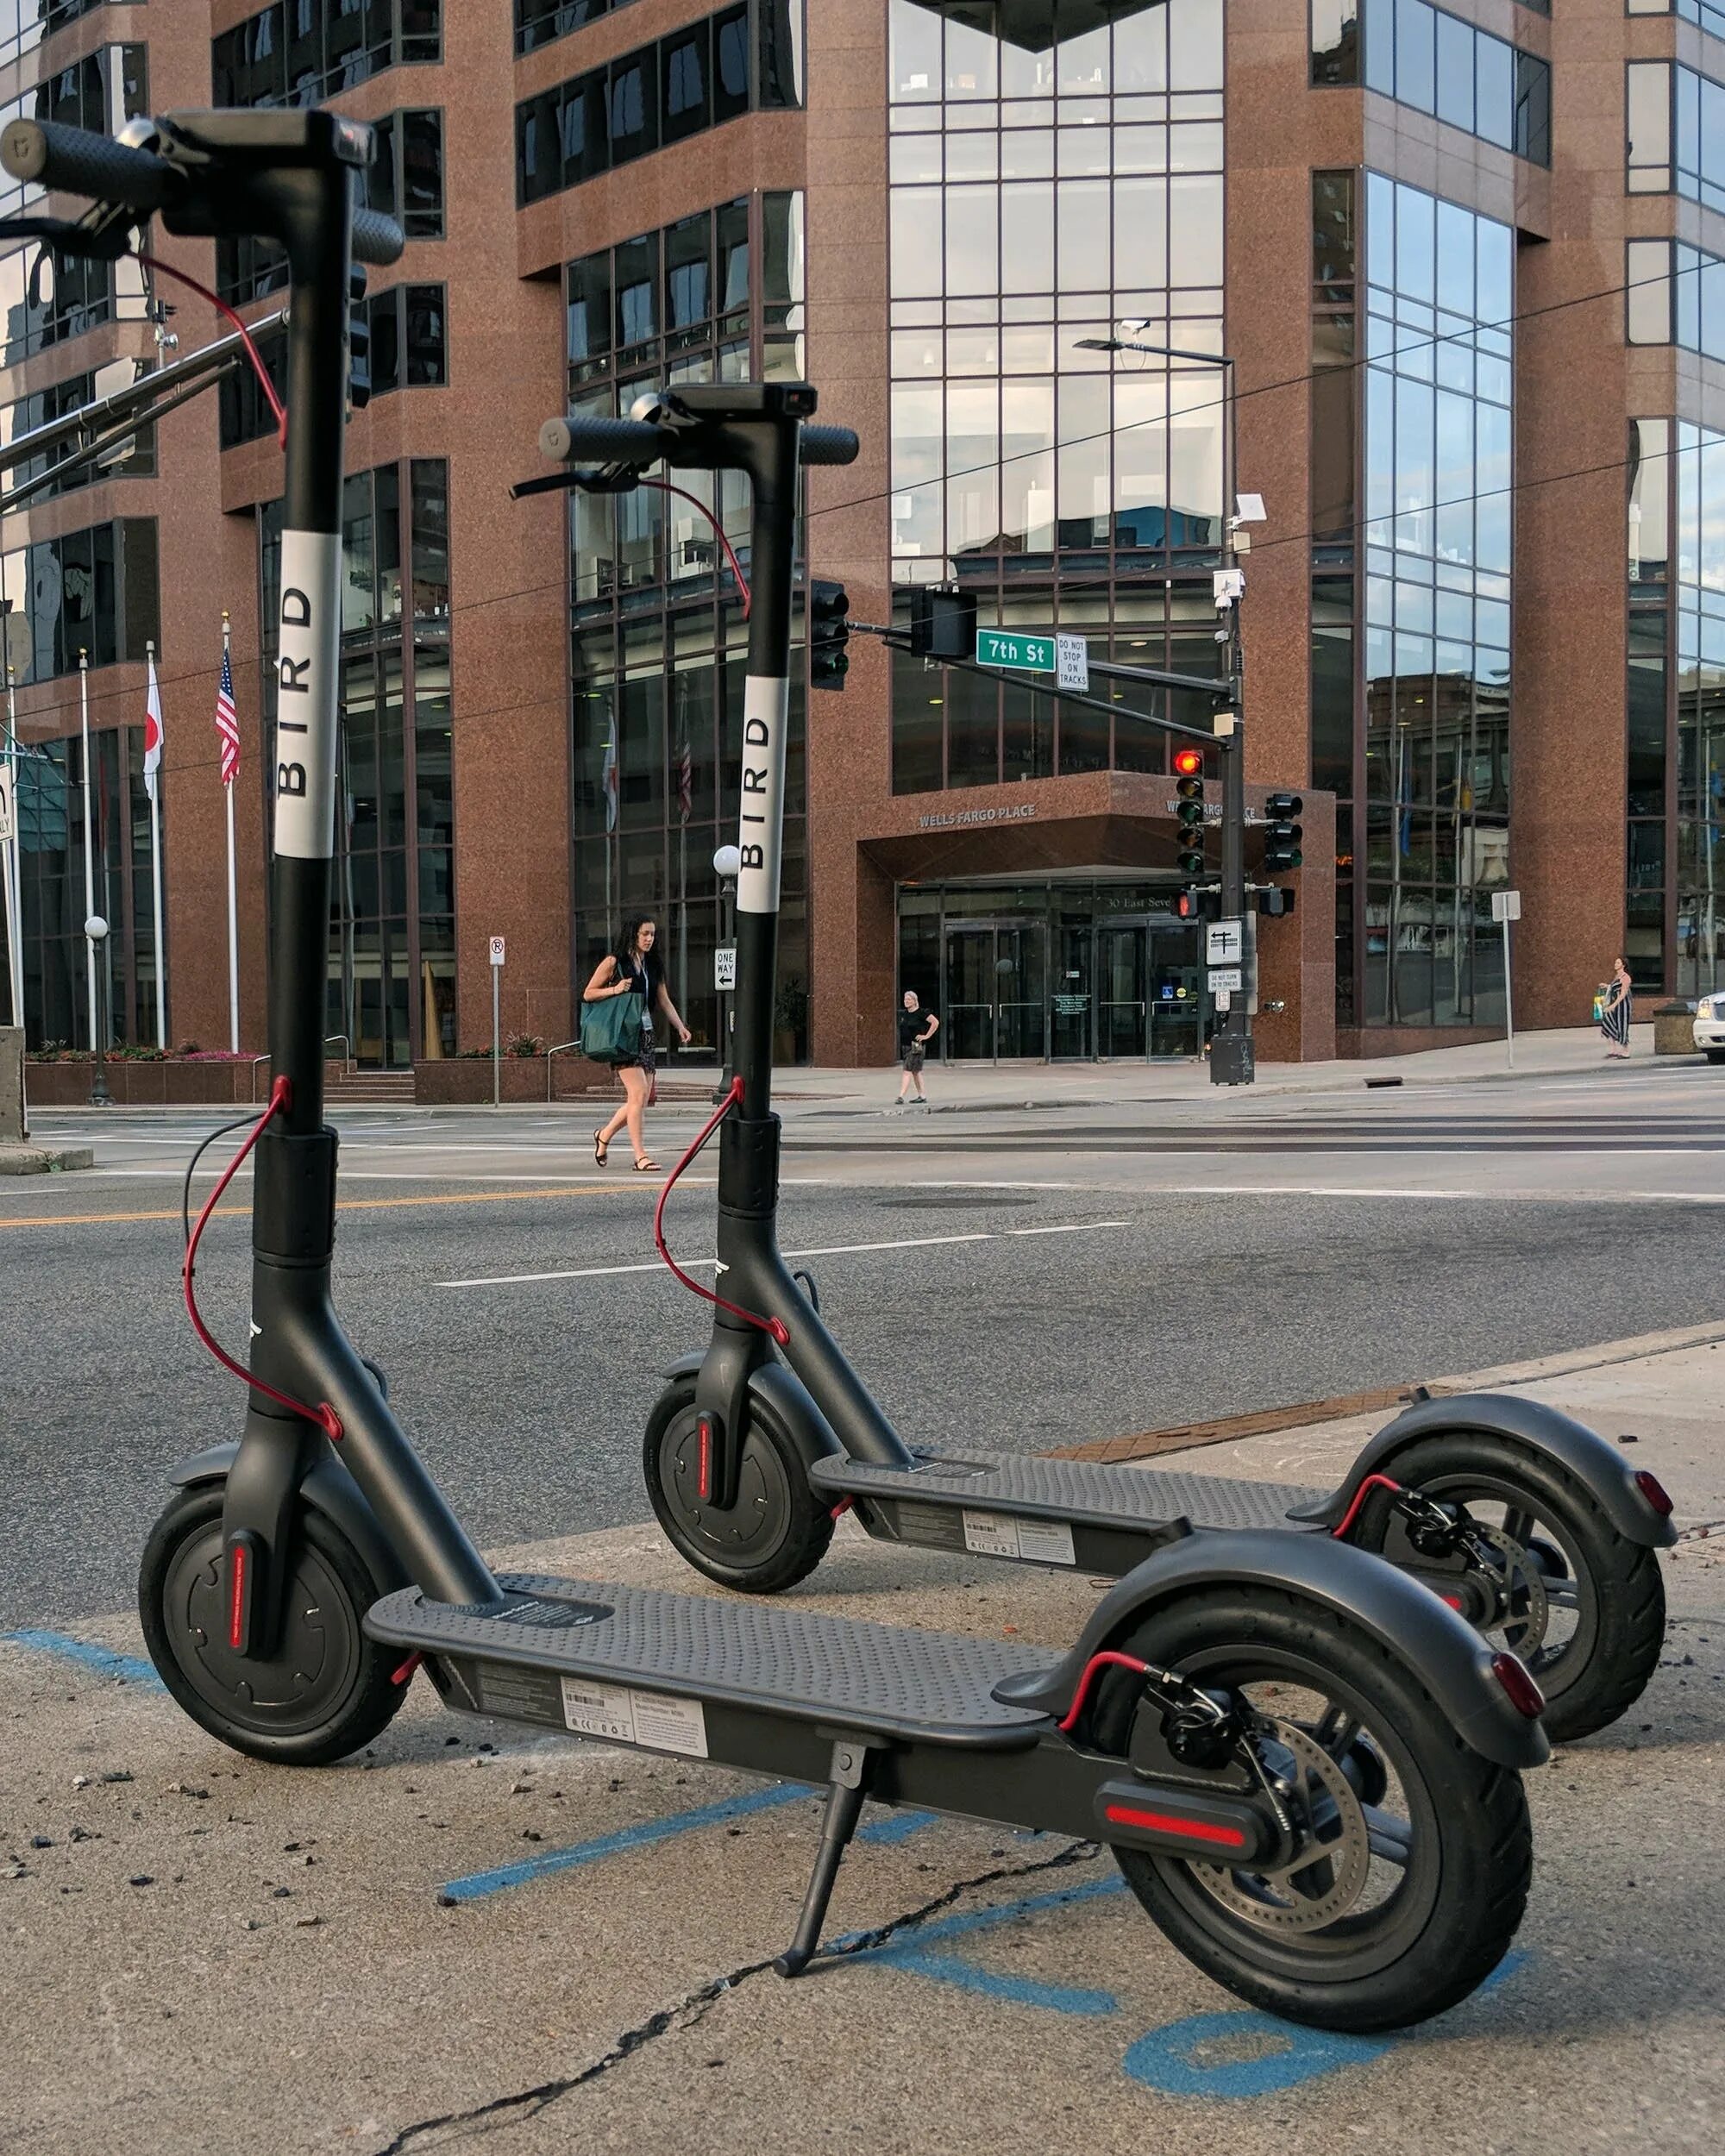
629, 970
916, 1028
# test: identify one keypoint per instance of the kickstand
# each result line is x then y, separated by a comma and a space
849, 1785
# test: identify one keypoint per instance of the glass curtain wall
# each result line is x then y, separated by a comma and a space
392, 981
1675, 295
50, 824
1332, 504
1676, 708
658, 640
1054, 178
1440, 294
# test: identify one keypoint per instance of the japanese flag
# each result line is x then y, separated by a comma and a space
152, 730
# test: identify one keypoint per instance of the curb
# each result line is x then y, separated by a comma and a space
42, 1160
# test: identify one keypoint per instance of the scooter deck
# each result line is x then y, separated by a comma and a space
578, 1653
1048, 1512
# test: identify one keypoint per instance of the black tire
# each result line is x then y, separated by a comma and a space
1449, 1912
1715, 1055
778, 1531
1603, 1664
326, 1692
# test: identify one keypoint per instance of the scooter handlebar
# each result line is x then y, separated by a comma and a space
74, 161
600, 442
829, 445
377, 238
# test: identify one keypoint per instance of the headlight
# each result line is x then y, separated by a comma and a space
1711, 1007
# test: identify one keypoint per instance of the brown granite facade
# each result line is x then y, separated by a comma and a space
1578, 385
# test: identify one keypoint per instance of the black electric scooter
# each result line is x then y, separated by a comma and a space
1306, 1764
1524, 1520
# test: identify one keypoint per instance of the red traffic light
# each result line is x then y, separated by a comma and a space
1185, 905
1189, 764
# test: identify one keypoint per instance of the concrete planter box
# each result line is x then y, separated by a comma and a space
466, 1080
173, 1083
1674, 1030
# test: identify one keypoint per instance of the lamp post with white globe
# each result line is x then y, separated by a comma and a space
96, 933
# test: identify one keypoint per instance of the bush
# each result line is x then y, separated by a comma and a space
524, 1045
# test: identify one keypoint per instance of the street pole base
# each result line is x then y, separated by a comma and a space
1234, 1060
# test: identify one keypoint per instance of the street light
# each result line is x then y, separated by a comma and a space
96, 932
727, 863
1232, 1059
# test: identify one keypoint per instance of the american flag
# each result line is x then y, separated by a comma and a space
228, 723
686, 782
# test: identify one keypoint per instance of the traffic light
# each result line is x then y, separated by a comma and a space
1282, 835
828, 633
1188, 787
359, 341
1278, 898
943, 623
1185, 905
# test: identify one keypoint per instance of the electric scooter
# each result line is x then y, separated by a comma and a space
1525, 1521
1306, 1764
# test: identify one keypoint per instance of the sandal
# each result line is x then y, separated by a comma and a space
644, 1167
601, 1147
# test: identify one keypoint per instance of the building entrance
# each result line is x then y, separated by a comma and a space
1061, 971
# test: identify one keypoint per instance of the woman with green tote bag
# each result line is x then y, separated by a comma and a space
617, 1027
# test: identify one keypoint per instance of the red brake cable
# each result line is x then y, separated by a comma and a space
159, 268
774, 1327
324, 1416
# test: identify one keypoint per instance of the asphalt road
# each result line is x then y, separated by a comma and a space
1161, 1304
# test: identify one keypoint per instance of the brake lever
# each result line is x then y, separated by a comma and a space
105, 236
610, 479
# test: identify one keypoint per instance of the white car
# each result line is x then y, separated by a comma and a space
1709, 1027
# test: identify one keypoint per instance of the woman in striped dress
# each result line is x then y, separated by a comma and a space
1619, 1008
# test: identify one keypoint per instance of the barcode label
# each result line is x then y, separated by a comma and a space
993, 1535
620, 1715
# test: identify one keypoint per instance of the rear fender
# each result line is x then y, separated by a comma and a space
1528, 1425
328, 1489
1405, 1618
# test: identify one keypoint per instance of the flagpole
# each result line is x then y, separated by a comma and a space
89, 857
154, 783
12, 859
233, 888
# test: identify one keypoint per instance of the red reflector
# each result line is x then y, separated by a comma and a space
236, 1598
1655, 1491
703, 1480
1525, 1696
1454, 1600
1188, 1829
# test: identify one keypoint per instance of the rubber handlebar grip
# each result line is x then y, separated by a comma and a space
377, 238
600, 442
76, 162
829, 445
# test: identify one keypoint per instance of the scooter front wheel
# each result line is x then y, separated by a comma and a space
776, 1532
325, 1690
1581, 1605
1405, 1867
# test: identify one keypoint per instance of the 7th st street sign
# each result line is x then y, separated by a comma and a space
1066, 657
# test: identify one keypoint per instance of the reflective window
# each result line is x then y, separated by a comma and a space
1432, 832
305, 51
1709, 13
133, 458
91, 590
691, 80
409, 350
1436, 62
25, 23
539, 21
1676, 132
101, 92
1675, 295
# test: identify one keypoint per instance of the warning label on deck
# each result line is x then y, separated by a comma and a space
621, 1715
993, 1534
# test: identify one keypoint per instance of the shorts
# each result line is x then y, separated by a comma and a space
646, 1060
915, 1057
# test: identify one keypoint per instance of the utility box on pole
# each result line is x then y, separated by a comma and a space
11, 1085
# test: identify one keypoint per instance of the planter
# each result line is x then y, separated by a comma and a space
175, 1083
1674, 1028
466, 1080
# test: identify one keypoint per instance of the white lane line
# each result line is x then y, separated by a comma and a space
601, 1272
1078, 1227
381, 1176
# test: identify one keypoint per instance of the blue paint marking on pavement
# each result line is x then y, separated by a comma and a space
478, 1884
1282, 2056
127, 1668
911, 1953
896, 1826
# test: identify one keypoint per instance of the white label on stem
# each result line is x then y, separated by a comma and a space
306, 686
761, 829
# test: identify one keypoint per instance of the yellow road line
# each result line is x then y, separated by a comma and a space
343, 1204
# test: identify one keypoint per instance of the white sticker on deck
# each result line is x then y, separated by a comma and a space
621, 1715
993, 1535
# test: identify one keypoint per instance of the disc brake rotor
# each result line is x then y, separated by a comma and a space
1524, 1606
1326, 1876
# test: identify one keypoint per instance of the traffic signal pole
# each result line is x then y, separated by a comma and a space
1232, 1056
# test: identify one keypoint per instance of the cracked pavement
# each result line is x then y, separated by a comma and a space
195, 1950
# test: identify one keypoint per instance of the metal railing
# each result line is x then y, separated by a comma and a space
561, 1049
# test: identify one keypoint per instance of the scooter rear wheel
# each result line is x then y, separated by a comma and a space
777, 1531
325, 1691
1601, 1600
1411, 1870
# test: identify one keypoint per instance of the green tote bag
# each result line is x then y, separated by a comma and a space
612, 1027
